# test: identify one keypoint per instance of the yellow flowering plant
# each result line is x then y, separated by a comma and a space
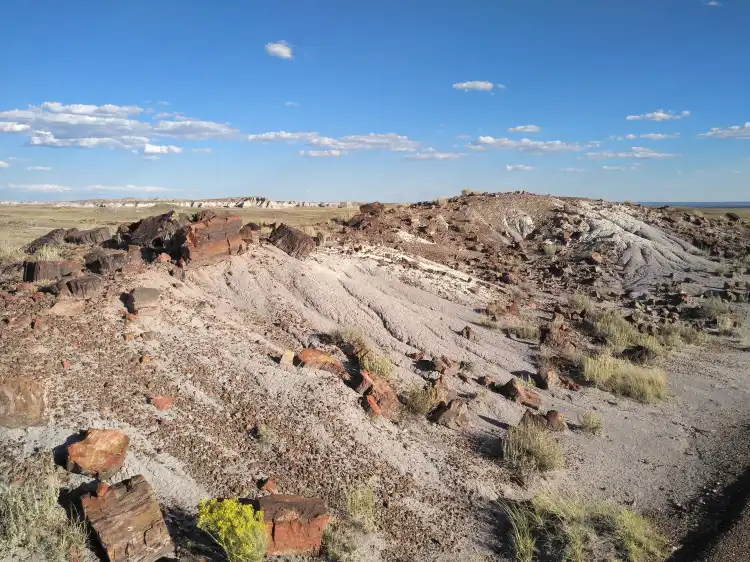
236, 527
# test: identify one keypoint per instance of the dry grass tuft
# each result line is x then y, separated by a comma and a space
591, 423
519, 327
377, 364
623, 378
48, 253
713, 307
421, 399
530, 447
33, 523
10, 253
360, 504
353, 341
564, 527
487, 322
725, 324
582, 303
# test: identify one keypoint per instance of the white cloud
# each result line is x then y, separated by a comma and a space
636, 152
281, 136
161, 149
14, 127
106, 110
478, 85
280, 49
713, 4
46, 138
321, 153
372, 141
4, 164
433, 154
572, 170
38, 169
40, 188
518, 168
734, 132
291, 104
660, 136
525, 129
524, 145
658, 115
202, 150
620, 168
129, 188
193, 129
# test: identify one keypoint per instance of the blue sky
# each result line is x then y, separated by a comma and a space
391, 100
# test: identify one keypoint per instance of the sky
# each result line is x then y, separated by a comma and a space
643, 100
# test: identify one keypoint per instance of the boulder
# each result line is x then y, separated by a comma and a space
375, 208
80, 287
127, 521
385, 397
106, 261
315, 359
469, 333
157, 232
295, 524
213, 237
93, 236
100, 454
455, 414
733, 217
52, 238
546, 378
555, 420
531, 418
142, 297
293, 241
22, 402
514, 390
48, 269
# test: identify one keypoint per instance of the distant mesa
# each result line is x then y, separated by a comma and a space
230, 202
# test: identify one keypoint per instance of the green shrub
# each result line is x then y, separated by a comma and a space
32, 522
237, 528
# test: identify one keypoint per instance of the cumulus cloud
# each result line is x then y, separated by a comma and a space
638, 152
525, 129
4, 164
291, 104
572, 170
658, 115
372, 141
40, 188
10, 127
734, 132
648, 136
518, 168
38, 169
478, 85
161, 149
321, 153
524, 145
433, 154
107, 110
280, 49
277, 136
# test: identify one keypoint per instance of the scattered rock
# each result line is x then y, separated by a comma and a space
639, 354
594, 258
142, 297
210, 238
67, 308
315, 359
80, 287
48, 269
469, 334
52, 238
22, 402
269, 485
88, 237
106, 261
514, 390
162, 403
127, 521
375, 208
546, 379
287, 358
101, 453
295, 524
568, 383
293, 241
446, 366
157, 232
455, 414
555, 421
384, 396
250, 233
18, 323
508, 278
365, 382
371, 405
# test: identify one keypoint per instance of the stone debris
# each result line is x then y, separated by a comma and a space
84, 287
454, 414
469, 333
141, 298
161, 403
384, 396
292, 241
211, 238
22, 402
43, 270
295, 524
67, 308
514, 390
446, 366
287, 358
375, 208
127, 521
314, 359
100, 454
546, 379
158, 232
106, 261
88, 237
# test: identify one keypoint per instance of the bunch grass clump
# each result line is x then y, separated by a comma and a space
530, 447
623, 378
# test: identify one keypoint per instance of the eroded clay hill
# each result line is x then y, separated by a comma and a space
385, 358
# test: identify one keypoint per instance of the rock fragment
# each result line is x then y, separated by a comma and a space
88, 237
295, 524
100, 454
42, 270
292, 241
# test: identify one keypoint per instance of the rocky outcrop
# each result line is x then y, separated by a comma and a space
158, 232
127, 521
215, 236
293, 241
48, 269
295, 524
106, 261
22, 402
100, 454
88, 237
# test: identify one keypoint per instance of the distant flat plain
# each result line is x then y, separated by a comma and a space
20, 224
